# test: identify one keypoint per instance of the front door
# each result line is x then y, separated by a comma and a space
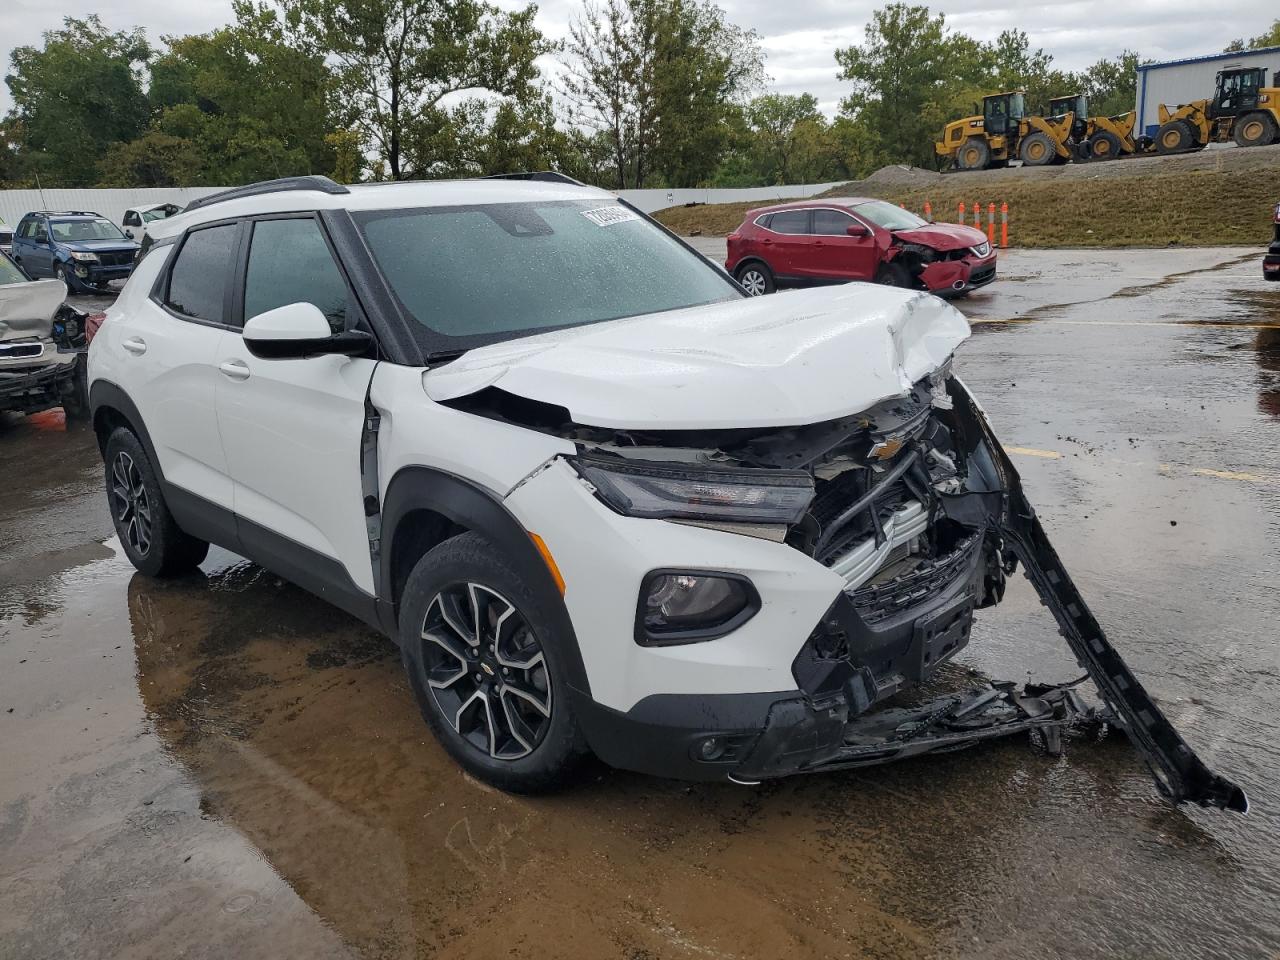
838, 256
37, 256
292, 428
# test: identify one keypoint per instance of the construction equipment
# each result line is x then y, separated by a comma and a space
1243, 109
1004, 131
1095, 138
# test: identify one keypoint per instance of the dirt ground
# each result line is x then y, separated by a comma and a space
225, 767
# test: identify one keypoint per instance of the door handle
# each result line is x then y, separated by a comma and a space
135, 345
234, 370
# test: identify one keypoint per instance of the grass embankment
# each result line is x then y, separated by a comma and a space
1201, 208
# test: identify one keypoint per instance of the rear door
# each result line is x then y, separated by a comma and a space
838, 256
166, 346
292, 429
788, 238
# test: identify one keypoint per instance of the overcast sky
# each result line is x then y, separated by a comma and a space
799, 37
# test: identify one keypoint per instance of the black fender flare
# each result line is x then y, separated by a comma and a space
105, 395
475, 508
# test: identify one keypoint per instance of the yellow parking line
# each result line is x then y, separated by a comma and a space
1240, 476
1033, 452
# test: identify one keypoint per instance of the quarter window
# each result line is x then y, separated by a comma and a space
199, 278
289, 262
790, 221
831, 223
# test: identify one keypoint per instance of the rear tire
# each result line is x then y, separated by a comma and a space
151, 538
1104, 145
470, 626
1255, 130
975, 154
1037, 150
756, 278
1175, 137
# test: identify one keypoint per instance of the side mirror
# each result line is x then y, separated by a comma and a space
857, 230
299, 330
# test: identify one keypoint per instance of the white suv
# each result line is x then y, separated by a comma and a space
603, 500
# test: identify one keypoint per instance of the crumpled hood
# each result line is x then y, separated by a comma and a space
27, 309
943, 236
784, 360
100, 246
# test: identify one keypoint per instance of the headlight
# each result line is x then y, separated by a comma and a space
672, 491
679, 606
982, 249
85, 257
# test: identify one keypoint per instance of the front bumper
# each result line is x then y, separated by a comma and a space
1271, 265
29, 385
96, 274
950, 277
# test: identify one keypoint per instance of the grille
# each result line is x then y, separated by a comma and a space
21, 351
115, 259
882, 600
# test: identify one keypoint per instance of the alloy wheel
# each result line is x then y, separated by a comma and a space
132, 503
486, 670
753, 282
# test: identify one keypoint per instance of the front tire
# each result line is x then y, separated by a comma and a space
1175, 137
756, 278
60, 271
1037, 150
1255, 130
894, 275
487, 667
151, 538
1105, 145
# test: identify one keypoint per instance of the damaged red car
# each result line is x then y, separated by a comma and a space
816, 242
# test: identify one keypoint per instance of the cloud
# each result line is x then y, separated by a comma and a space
800, 39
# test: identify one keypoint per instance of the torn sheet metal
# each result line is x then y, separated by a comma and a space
27, 309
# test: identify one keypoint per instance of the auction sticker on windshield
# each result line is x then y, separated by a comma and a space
608, 216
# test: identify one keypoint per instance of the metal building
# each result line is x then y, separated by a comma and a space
1176, 82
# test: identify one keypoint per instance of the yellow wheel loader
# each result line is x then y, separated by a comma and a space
1095, 138
1003, 132
1243, 109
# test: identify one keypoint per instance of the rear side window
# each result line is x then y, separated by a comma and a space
26, 228
790, 221
289, 262
198, 281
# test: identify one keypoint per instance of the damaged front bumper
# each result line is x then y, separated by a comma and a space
878, 639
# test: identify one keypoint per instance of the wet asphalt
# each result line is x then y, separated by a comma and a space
223, 766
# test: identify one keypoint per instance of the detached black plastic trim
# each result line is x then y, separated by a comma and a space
283, 185
680, 637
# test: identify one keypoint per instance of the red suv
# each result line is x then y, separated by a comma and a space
834, 241
1271, 262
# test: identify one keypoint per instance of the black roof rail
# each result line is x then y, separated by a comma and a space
67, 213
543, 176
283, 185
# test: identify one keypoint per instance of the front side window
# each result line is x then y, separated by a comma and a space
131, 219
889, 216
200, 274
26, 228
486, 273
790, 221
74, 231
831, 223
289, 262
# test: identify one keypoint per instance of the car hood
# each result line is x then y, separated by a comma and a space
99, 246
943, 236
27, 309
794, 358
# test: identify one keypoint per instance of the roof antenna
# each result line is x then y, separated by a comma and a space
43, 204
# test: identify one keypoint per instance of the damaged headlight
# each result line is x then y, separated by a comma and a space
664, 491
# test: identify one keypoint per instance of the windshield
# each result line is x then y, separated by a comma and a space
9, 273
74, 231
889, 216
482, 274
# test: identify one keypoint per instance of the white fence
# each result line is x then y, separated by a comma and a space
113, 203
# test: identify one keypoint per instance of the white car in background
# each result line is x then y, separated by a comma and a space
6, 237
136, 219
602, 499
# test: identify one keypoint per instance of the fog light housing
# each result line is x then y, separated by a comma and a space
690, 606
81, 270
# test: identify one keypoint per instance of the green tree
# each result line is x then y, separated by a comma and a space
906, 75
80, 92
399, 62
155, 159
1112, 85
778, 121
663, 81
1016, 66
1269, 39
254, 105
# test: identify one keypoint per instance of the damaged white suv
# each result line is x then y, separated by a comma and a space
603, 500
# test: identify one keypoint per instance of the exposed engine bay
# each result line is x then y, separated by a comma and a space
916, 506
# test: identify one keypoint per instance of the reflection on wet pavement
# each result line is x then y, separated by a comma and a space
223, 766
